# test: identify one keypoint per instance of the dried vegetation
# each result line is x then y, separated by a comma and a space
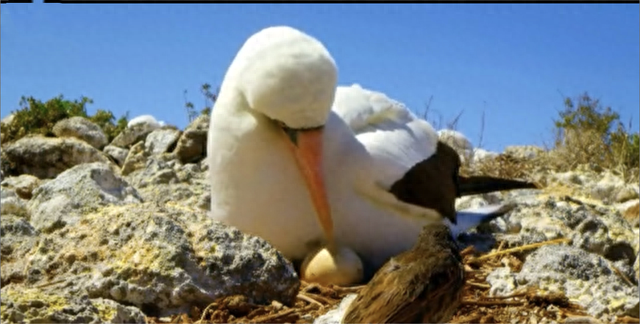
528, 306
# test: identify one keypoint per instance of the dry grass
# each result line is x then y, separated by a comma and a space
565, 157
507, 166
588, 148
477, 306
571, 148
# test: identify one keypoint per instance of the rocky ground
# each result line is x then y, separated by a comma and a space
118, 232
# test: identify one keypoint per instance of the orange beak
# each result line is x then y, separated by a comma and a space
307, 149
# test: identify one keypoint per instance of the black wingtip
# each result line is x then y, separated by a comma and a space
474, 185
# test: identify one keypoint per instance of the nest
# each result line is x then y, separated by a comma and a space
528, 306
313, 300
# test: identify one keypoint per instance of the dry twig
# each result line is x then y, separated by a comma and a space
518, 249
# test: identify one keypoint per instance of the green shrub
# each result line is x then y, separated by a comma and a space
586, 134
589, 133
209, 101
37, 117
105, 119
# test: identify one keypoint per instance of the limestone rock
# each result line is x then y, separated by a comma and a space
636, 268
23, 185
164, 182
480, 155
34, 306
18, 239
161, 140
525, 152
117, 153
12, 204
63, 200
586, 278
601, 230
456, 140
82, 129
144, 255
192, 145
136, 159
46, 157
607, 188
133, 135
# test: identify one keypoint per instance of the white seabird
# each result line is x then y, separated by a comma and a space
279, 90
412, 161
284, 167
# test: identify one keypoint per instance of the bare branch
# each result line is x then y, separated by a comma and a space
427, 108
454, 123
481, 129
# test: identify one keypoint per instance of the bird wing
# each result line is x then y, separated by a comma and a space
401, 292
376, 194
472, 217
429, 292
391, 133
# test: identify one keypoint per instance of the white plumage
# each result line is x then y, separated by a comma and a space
298, 162
282, 76
395, 138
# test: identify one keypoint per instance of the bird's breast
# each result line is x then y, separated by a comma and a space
257, 188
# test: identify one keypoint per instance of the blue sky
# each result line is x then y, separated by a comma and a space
512, 61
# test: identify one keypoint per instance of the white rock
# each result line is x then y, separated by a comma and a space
526, 152
480, 155
117, 153
160, 140
502, 282
144, 119
455, 139
607, 188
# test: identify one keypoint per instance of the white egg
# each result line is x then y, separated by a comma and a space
339, 265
